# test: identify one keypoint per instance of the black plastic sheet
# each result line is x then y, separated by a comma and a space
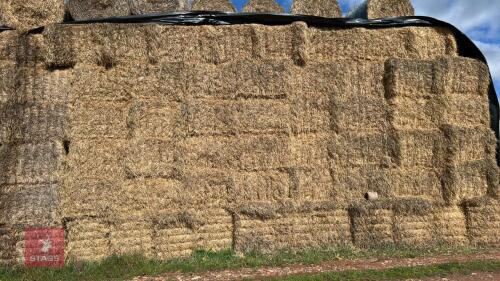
466, 47
4, 28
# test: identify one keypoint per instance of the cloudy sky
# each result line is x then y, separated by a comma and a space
479, 19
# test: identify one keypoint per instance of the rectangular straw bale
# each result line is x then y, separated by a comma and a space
380, 44
183, 232
483, 222
295, 230
465, 76
415, 113
152, 119
87, 197
417, 148
140, 7
30, 205
310, 150
31, 50
466, 111
350, 184
413, 229
40, 86
229, 117
8, 46
465, 144
203, 44
99, 119
151, 158
311, 184
87, 239
407, 78
356, 149
261, 186
90, 82
310, 112
469, 180
274, 42
149, 197
449, 226
250, 153
7, 81
246, 78
106, 45
96, 159
328, 8
371, 225
365, 114
30, 163
416, 182
11, 244
31, 14
208, 187
131, 237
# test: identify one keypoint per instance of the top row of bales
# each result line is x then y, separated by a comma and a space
25, 15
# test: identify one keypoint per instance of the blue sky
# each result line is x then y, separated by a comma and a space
479, 19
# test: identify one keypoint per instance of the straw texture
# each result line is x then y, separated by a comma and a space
95, 9
321, 8
262, 6
213, 5
373, 9
162, 140
30, 14
139, 7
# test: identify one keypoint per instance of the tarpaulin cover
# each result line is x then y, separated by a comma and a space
466, 47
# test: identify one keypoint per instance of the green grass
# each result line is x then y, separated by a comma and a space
126, 267
401, 273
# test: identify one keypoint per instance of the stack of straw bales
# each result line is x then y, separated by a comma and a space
161, 140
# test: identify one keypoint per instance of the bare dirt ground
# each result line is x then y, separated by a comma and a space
336, 266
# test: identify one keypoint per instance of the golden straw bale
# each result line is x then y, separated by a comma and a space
240, 79
466, 111
147, 198
36, 85
96, 159
356, 149
131, 237
407, 78
8, 72
350, 184
29, 205
416, 182
180, 233
365, 114
419, 148
371, 224
415, 113
30, 14
310, 112
106, 45
470, 180
483, 221
262, 6
261, 186
208, 187
11, 244
98, 119
139, 7
413, 222
465, 76
251, 153
213, 5
30, 163
373, 9
8, 45
290, 227
310, 150
466, 144
87, 239
420, 43
31, 50
311, 184
154, 119
321, 8
449, 226
151, 158
95, 9
87, 197
229, 117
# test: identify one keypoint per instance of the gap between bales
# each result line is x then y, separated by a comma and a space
127, 267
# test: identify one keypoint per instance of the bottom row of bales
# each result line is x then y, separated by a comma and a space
267, 227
